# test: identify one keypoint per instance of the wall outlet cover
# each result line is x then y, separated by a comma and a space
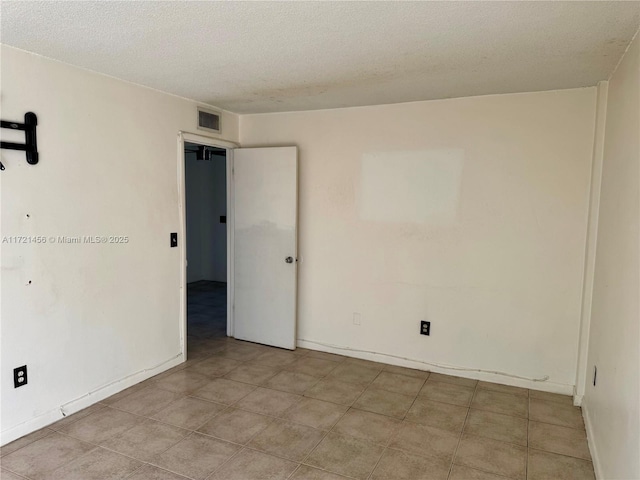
19, 376
425, 328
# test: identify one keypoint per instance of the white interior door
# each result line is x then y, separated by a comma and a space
265, 245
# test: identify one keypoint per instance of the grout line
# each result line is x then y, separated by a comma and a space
464, 424
294, 471
484, 471
330, 430
96, 447
28, 443
243, 447
424, 382
384, 450
560, 454
136, 470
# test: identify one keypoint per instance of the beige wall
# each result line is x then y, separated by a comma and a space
613, 406
88, 320
470, 213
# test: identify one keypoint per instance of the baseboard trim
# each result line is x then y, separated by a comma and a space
454, 370
86, 400
597, 466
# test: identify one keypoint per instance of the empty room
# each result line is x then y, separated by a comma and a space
329, 240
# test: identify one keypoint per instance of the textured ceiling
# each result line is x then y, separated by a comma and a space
281, 56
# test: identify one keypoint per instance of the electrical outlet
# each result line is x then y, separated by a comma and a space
356, 318
595, 374
19, 376
425, 328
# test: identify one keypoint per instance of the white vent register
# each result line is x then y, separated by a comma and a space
208, 120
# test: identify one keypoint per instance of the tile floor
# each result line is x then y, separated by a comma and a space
241, 411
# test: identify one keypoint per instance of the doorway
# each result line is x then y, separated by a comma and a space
205, 170
261, 246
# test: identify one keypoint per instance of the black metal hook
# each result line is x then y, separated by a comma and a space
30, 147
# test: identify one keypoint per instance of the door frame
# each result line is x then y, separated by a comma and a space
182, 229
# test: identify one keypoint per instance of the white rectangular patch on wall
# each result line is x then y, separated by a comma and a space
411, 186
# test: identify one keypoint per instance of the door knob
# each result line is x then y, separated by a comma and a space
289, 259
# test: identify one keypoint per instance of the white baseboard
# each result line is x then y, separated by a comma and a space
86, 400
454, 370
597, 466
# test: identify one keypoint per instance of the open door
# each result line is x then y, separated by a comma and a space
265, 245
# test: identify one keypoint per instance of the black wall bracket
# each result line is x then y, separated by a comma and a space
31, 145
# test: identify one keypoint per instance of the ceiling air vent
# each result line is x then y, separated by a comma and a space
208, 120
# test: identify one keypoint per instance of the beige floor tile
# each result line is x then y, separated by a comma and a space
551, 466
555, 413
275, 358
252, 373
464, 382
326, 356
304, 472
496, 387
384, 402
171, 371
409, 372
345, 455
353, 374
365, 363
551, 397
398, 465
293, 382
556, 439
311, 365
146, 401
250, 464
196, 456
215, 366
23, 441
268, 402
287, 440
189, 412
222, 390
505, 428
7, 475
198, 353
301, 351
103, 424
242, 353
437, 414
149, 472
398, 383
368, 426
238, 426
183, 381
335, 391
146, 440
127, 391
38, 459
492, 456
447, 393
315, 413
429, 442
459, 472
98, 464
497, 402
60, 424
